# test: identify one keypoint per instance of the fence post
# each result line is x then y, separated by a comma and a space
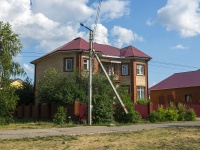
76, 107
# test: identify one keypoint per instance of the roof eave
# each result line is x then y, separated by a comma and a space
59, 51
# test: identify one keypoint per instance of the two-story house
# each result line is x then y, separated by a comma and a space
128, 65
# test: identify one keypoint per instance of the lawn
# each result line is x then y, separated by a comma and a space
165, 138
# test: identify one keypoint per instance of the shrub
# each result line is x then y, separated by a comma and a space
190, 115
8, 102
60, 116
181, 112
102, 109
162, 115
154, 116
171, 115
132, 116
142, 102
161, 112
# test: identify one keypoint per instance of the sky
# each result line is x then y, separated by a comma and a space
166, 30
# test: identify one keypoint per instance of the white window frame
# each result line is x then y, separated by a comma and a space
125, 69
69, 64
86, 62
140, 92
140, 69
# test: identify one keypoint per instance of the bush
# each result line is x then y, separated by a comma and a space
132, 116
8, 102
190, 115
162, 115
142, 102
102, 109
154, 117
171, 115
181, 112
60, 116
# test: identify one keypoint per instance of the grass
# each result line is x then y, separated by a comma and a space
33, 124
183, 138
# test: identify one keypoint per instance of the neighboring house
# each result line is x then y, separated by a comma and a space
16, 82
129, 65
180, 87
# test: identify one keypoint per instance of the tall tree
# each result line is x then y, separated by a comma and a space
10, 46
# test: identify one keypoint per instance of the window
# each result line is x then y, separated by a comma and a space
86, 64
140, 92
188, 98
161, 100
68, 64
170, 98
140, 69
125, 69
108, 69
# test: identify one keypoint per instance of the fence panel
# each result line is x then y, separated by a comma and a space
143, 110
196, 109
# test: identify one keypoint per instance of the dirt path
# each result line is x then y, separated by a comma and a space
6, 134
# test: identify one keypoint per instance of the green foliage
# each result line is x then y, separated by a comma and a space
60, 116
132, 116
181, 112
154, 116
10, 46
162, 115
142, 102
26, 92
57, 88
171, 113
8, 101
102, 111
190, 115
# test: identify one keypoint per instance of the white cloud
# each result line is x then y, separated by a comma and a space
125, 36
181, 15
62, 10
112, 9
44, 30
49, 24
149, 22
179, 46
28, 69
101, 34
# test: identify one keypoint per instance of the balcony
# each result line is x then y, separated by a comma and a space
112, 69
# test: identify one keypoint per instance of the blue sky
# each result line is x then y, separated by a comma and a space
166, 30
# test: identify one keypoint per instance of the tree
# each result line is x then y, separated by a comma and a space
10, 46
25, 93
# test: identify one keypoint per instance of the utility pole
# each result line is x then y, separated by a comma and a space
90, 75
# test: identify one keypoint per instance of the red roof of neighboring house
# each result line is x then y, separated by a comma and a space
179, 80
81, 44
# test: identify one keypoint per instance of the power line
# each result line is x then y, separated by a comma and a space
173, 64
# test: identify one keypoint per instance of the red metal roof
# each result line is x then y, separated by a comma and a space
81, 44
179, 80
132, 51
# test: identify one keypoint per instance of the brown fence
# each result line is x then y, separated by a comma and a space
78, 111
42, 111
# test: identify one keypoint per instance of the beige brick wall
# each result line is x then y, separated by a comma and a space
55, 61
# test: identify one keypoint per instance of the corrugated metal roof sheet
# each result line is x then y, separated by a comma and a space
81, 44
179, 80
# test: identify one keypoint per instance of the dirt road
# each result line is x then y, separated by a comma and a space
6, 134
